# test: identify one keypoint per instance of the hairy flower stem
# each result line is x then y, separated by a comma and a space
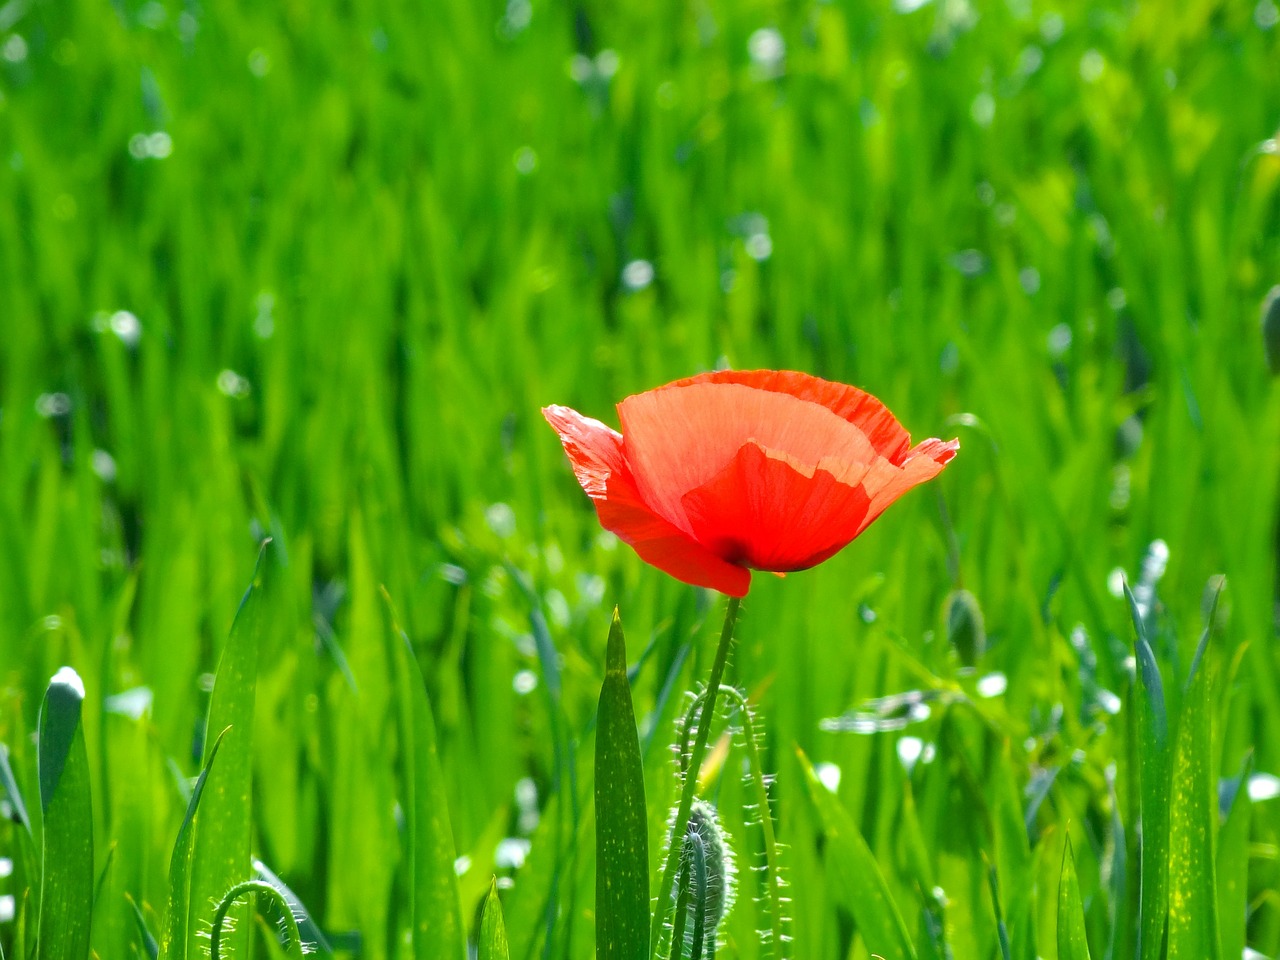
691, 777
262, 889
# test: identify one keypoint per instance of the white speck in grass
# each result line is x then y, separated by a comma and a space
264, 322
153, 15
1029, 277
969, 262
1263, 786
526, 793
259, 62
1078, 757
526, 161
452, 573
607, 63
992, 685
104, 466
591, 588
524, 682
1006, 214
134, 704
1030, 59
51, 622
1051, 27
1117, 299
233, 385
1092, 65
1115, 582
6, 867
511, 853
7, 908
909, 6
581, 68
1121, 488
518, 15
501, 519
637, 275
909, 751
159, 145
983, 109
918, 712
768, 51
1266, 14
985, 193
461, 865
759, 247
1170, 79
138, 148
728, 280
127, 327
14, 49
205, 682
558, 608
49, 405
69, 678
606, 541
828, 775
1109, 702
1059, 341
188, 25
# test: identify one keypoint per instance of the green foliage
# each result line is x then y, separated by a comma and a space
308, 271
66, 888
493, 935
622, 829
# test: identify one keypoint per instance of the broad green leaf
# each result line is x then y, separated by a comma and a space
66, 895
1153, 776
1193, 817
434, 908
1072, 943
176, 939
224, 828
622, 837
493, 935
859, 886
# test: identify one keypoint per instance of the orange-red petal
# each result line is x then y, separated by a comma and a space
596, 453
678, 439
768, 512
889, 438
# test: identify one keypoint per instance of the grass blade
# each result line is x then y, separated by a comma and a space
1193, 813
1153, 803
493, 934
177, 931
149, 942
622, 838
858, 884
1233, 868
1072, 942
434, 906
66, 896
224, 831
11, 791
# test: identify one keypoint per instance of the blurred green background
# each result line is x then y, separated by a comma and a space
310, 270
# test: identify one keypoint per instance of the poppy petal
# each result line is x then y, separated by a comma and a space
885, 483
769, 512
596, 453
676, 440
889, 438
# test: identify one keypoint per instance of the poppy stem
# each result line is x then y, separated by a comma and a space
681, 821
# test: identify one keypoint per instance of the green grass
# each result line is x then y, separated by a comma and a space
402, 228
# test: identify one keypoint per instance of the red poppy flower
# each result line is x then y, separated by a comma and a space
726, 472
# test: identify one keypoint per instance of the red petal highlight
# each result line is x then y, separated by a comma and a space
677, 439
889, 438
763, 511
595, 451
886, 483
